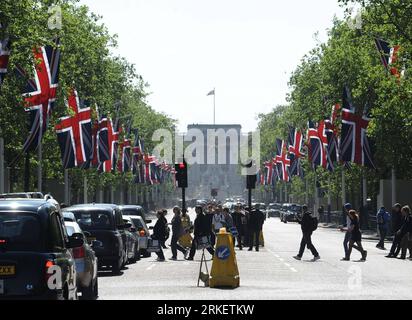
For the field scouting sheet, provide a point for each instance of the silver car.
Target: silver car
(86, 263)
(143, 233)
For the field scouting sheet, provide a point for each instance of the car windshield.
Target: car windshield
(20, 232)
(132, 212)
(92, 220)
(138, 223)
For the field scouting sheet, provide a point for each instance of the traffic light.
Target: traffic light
(181, 174)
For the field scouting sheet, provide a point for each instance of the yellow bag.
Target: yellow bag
(186, 240)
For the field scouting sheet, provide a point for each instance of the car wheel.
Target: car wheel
(88, 292)
(116, 267)
(96, 289)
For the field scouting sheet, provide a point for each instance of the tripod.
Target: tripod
(203, 276)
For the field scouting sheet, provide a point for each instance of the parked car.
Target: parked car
(86, 262)
(22, 195)
(134, 210)
(68, 216)
(105, 223)
(133, 254)
(143, 233)
(273, 210)
(33, 244)
(290, 212)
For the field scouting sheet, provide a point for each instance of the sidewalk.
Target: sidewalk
(366, 234)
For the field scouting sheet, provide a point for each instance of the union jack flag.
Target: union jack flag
(103, 149)
(137, 152)
(125, 156)
(296, 154)
(74, 134)
(113, 134)
(4, 56)
(354, 146)
(331, 130)
(149, 162)
(269, 172)
(282, 160)
(317, 144)
(40, 93)
(389, 56)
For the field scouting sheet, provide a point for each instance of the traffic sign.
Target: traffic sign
(223, 252)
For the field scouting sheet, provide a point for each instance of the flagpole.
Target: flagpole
(39, 167)
(2, 184)
(66, 187)
(214, 106)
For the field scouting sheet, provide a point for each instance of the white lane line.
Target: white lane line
(151, 267)
(282, 260)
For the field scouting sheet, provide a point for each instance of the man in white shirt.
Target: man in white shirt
(218, 219)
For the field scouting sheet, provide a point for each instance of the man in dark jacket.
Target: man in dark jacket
(240, 221)
(202, 228)
(177, 232)
(405, 227)
(255, 224)
(396, 217)
(307, 226)
(159, 233)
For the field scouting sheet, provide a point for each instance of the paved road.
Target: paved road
(272, 273)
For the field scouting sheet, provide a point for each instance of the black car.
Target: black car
(35, 257)
(105, 223)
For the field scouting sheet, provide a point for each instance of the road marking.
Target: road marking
(151, 267)
(282, 260)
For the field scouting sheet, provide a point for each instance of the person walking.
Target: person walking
(396, 217)
(209, 218)
(355, 240)
(159, 233)
(345, 229)
(406, 226)
(308, 224)
(239, 220)
(218, 219)
(161, 215)
(382, 219)
(177, 232)
(255, 224)
(186, 239)
(201, 229)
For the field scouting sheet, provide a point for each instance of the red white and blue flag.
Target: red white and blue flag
(40, 93)
(331, 130)
(282, 160)
(389, 56)
(74, 134)
(113, 134)
(296, 153)
(354, 144)
(317, 144)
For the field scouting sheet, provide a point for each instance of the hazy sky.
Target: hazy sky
(246, 49)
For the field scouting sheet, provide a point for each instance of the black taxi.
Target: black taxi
(35, 257)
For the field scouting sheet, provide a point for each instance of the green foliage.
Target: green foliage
(350, 57)
(87, 64)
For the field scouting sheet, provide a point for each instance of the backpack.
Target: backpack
(314, 223)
